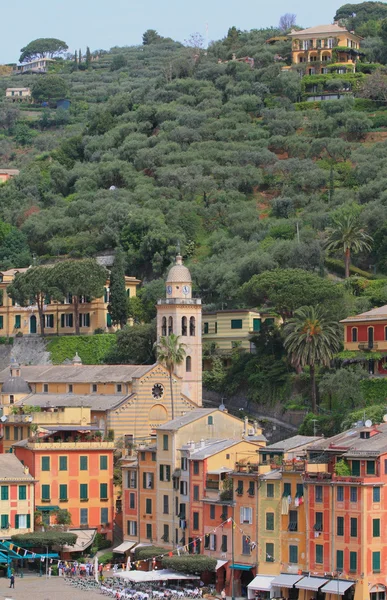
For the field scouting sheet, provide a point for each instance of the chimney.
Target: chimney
(202, 443)
(246, 425)
(26, 470)
(192, 444)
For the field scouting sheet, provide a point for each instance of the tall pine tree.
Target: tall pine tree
(88, 57)
(118, 307)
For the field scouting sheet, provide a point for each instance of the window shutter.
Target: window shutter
(28, 521)
(71, 320)
(214, 542)
(16, 521)
(168, 472)
(144, 481)
(242, 514)
(62, 320)
(1, 322)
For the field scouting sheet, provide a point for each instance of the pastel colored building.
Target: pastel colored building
(366, 334)
(19, 94)
(59, 316)
(17, 497)
(73, 468)
(39, 65)
(233, 328)
(323, 46)
(129, 400)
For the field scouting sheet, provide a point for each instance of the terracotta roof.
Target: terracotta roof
(320, 29)
(79, 373)
(11, 469)
(375, 314)
(94, 401)
(179, 273)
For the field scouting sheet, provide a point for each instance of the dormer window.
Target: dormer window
(365, 435)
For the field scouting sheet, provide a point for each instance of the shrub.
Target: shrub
(342, 468)
(194, 563)
(54, 570)
(365, 104)
(91, 349)
(379, 120)
(148, 552)
(308, 105)
(100, 542)
(106, 558)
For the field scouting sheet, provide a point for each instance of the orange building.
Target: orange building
(16, 497)
(367, 333)
(74, 471)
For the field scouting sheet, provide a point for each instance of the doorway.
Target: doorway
(32, 324)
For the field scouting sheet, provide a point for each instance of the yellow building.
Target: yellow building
(129, 400)
(59, 316)
(233, 328)
(318, 48)
(19, 94)
(17, 499)
(6, 174)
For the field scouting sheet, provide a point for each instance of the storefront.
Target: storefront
(311, 587)
(243, 575)
(285, 586)
(338, 587)
(261, 588)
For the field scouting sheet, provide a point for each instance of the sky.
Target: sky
(104, 24)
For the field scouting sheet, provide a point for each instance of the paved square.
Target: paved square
(40, 588)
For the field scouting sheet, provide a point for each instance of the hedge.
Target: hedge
(337, 266)
(92, 349)
(308, 105)
(191, 563)
(374, 390)
(149, 552)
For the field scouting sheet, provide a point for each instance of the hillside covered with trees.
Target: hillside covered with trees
(273, 200)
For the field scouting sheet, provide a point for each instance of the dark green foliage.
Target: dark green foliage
(285, 290)
(118, 62)
(374, 390)
(49, 87)
(355, 15)
(134, 345)
(41, 48)
(194, 564)
(100, 542)
(40, 539)
(148, 552)
(118, 307)
(337, 266)
(92, 349)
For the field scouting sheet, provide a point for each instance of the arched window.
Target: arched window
(192, 326)
(170, 325)
(188, 364)
(184, 326)
(354, 334)
(370, 337)
(164, 326)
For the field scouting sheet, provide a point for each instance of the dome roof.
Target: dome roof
(15, 385)
(179, 273)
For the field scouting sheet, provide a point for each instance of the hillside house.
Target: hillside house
(18, 94)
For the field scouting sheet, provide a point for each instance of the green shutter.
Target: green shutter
(144, 481)
(352, 561)
(103, 491)
(375, 527)
(376, 562)
(17, 321)
(28, 521)
(1, 322)
(87, 319)
(287, 489)
(269, 552)
(270, 521)
(63, 491)
(257, 327)
(45, 463)
(355, 470)
(4, 492)
(4, 521)
(103, 463)
(104, 515)
(339, 559)
(63, 463)
(319, 554)
(370, 467)
(353, 527)
(22, 492)
(236, 323)
(71, 320)
(108, 320)
(62, 320)
(148, 506)
(165, 442)
(128, 292)
(83, 463)
(293, 554)
(340, 526)
(45, 492)
(83, 491)
(16, 521)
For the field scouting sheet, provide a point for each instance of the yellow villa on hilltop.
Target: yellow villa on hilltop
(319, 48)
(59, 316)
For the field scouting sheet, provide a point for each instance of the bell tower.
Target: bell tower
(181, 314)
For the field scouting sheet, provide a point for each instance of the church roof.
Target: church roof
(100, 402)
(179, 273)
(189, 417)
(15, 385)
(79, 373)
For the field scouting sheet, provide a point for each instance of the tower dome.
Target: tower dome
(15, 384)
(179, 273)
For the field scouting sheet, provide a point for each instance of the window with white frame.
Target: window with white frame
(184, 463)
(246, 514)
(22, 521)
(132, 528)
(212, 541)
(183, 488)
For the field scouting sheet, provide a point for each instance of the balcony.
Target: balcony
(291, 466)
(367, 346)
(212, 484)
(186, 301)
(66, 446)
(316, 471)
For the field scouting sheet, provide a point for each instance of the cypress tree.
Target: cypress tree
(118, 307)
(80, 56)
(88, 57)
(76, 57)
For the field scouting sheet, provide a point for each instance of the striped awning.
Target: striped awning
(337, 586)
(311, 583)
(285, 580)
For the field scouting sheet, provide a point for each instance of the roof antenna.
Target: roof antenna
(178, 247)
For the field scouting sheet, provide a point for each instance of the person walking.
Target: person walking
(12, 581)
(223, 594)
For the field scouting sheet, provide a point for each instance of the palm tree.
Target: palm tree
(171, 353)
(311, 338)
(347, 235)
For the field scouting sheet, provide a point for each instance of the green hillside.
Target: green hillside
(168, 145)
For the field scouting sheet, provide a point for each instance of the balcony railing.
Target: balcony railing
(212, 485)
(368, 346)
(71, 445)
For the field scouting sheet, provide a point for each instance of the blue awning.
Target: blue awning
(47, 507)
(241, 567)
